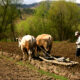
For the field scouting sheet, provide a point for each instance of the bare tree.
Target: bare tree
(9, 12)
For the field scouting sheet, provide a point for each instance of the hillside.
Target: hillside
(34, 5)
(29, 5)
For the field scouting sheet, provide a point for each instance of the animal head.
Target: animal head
(76, 33)
(19, 40)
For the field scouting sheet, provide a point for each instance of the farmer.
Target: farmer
(77, 34)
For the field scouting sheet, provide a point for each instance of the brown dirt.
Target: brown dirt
(11, 71)
(67, 50)
(64, 49)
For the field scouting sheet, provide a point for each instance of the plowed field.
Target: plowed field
(65, 49)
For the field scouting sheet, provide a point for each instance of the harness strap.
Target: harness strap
(44, 51)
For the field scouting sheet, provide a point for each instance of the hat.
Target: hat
(76, 33)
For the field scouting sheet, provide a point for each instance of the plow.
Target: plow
(57, 60)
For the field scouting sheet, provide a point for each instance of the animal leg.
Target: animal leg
(23, 52)
(30, 54)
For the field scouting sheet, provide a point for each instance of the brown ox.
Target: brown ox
(28, 44)
(44, 41)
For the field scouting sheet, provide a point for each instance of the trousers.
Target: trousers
(78, 52)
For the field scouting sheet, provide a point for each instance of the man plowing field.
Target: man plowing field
(77, 34)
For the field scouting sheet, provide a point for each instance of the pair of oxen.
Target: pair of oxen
(32, 45)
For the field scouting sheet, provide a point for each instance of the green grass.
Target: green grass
(52, 75)
(42, 72)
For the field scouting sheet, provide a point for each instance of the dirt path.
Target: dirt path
(11, 71)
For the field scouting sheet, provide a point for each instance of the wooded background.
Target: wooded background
(59, 18)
